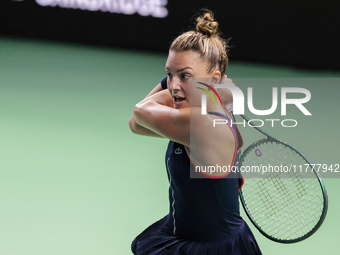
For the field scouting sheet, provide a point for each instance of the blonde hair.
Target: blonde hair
(206, 40)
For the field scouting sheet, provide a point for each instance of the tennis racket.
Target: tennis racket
(286, 205)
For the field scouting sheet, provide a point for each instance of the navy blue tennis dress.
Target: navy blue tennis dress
(204, 217)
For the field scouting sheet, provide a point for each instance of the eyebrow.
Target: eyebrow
(180, 70)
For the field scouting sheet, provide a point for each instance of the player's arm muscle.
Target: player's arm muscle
(140, 130)
(157, 114)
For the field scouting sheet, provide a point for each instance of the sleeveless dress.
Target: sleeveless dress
(204, 216)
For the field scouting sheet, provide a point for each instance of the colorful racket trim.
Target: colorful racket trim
(286, 207)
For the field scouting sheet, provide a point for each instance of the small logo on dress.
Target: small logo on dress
(178, 151)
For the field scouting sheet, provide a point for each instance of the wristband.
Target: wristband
(164, 82)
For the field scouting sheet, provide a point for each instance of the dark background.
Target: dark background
(303, 34)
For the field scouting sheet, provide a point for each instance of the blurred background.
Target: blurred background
(73, 177)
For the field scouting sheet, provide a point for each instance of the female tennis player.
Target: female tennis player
(204, 213)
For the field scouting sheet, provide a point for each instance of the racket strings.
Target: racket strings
(286, 205)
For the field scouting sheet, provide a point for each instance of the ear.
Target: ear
(216, 76)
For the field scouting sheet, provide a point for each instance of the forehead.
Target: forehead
(184, 58)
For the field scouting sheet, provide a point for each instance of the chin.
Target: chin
(181, 105)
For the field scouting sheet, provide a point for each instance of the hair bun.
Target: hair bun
(206, 24)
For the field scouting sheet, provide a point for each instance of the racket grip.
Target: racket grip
(164, 82)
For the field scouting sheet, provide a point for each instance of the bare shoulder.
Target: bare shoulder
(211, 144)
(204, 128)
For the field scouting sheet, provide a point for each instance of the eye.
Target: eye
(169, 75)
(185, 76)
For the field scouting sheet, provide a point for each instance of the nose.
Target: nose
(175, 83)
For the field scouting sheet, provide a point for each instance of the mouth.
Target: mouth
(177, 99)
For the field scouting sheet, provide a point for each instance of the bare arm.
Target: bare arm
(157, 114)
(140, 130)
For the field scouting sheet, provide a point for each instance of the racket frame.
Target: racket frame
(324, 192)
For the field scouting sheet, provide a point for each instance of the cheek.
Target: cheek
(195, 99)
